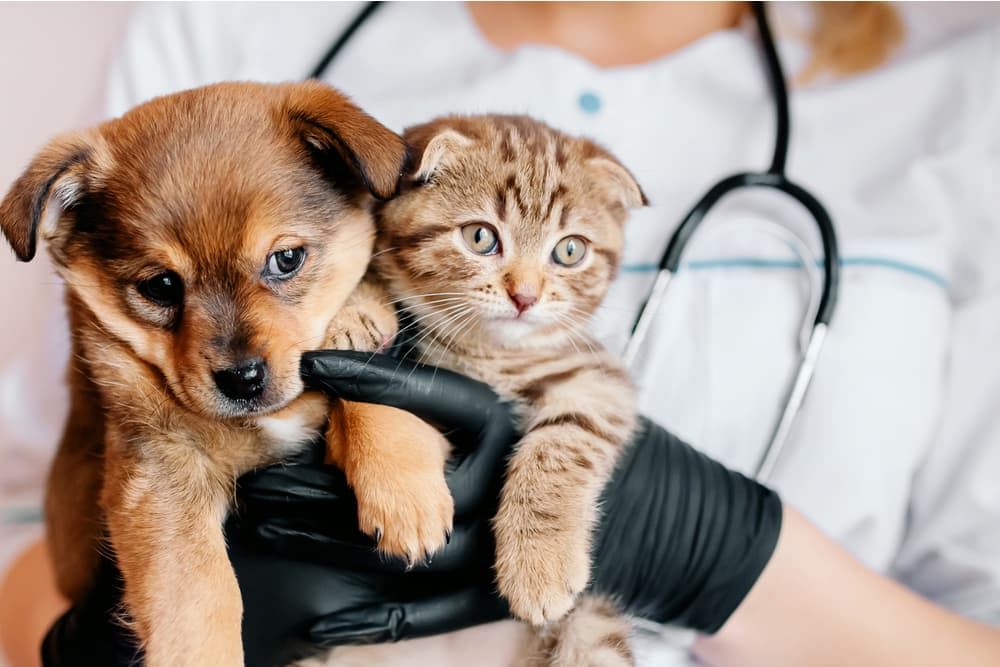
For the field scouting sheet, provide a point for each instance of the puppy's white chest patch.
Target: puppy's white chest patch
(287, 433)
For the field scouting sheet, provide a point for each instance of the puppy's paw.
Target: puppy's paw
(409, 513)
(540, 572)
(362, 329)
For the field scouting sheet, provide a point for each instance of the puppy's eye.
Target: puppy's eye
(164, 289)
(283, 264)
(570, 251)
(481, 238)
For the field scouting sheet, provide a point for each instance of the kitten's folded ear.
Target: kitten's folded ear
(438, 152)
(621, 181)
(326, 120)
(58, 177)
(434, 145)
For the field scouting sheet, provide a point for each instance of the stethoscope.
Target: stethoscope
(774, 178)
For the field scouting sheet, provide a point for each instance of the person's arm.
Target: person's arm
(683, 541)
(812, 604)
(29, 603)
(816, 605)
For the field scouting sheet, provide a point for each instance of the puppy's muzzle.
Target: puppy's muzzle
(243, 382)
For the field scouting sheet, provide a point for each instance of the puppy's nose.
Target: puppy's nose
(243, 381)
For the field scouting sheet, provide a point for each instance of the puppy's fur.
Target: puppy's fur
(209, 185)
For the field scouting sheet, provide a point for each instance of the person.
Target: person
(897, 450)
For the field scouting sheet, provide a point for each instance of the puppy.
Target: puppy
(206, 240)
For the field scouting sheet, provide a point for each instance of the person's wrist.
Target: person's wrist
(683, 538)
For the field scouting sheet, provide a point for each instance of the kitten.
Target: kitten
(502, 244)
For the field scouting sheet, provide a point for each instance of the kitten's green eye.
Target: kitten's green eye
(481, 238)
(570, 251)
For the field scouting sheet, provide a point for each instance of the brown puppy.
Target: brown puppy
(206, 239)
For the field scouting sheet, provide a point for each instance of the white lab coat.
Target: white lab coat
(896, 453)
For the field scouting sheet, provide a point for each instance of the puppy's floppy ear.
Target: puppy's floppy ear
(328, 121)
(619, 180)
(52, 184)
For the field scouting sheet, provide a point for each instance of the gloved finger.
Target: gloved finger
(451, 400)
(427, 615)
(448, 399)
(295, 488)
(314, 540)
(475, 478)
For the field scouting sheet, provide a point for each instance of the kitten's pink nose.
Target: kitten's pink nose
(523, 301)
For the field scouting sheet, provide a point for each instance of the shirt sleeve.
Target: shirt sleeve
(951, 550)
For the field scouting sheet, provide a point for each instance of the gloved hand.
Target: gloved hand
(297, 526)
(682, 539)
(306, 506)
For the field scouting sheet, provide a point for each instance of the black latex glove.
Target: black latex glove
(307, 506)
(681, 540)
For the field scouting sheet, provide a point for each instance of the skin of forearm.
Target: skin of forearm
(816, 605)
(29, 604)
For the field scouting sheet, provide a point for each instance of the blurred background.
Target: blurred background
(54, 57)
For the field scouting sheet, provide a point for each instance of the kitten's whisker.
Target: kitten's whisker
(421, 318)
(382, 252)
(416, 308)
(456, 331)
(462, 326)
(567, 324)
(620, 309)
(409, 305)
(437, 318)
(444, 351)
(576, 330)
(422, 295)
(414, 293)
(438, 325)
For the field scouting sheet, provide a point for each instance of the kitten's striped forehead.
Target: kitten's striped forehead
(536, 174)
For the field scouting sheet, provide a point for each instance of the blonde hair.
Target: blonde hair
(851, 37)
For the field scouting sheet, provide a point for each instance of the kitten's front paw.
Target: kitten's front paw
(408, 514)
(540, 573)
(362, 329)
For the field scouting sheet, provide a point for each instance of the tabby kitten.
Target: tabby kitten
(501, 244)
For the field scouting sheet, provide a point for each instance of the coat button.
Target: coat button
(589, 102)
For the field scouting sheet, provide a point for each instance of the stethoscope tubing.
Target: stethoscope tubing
(670, 262)
(774, 178)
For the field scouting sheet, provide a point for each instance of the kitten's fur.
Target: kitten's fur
(535, 186)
